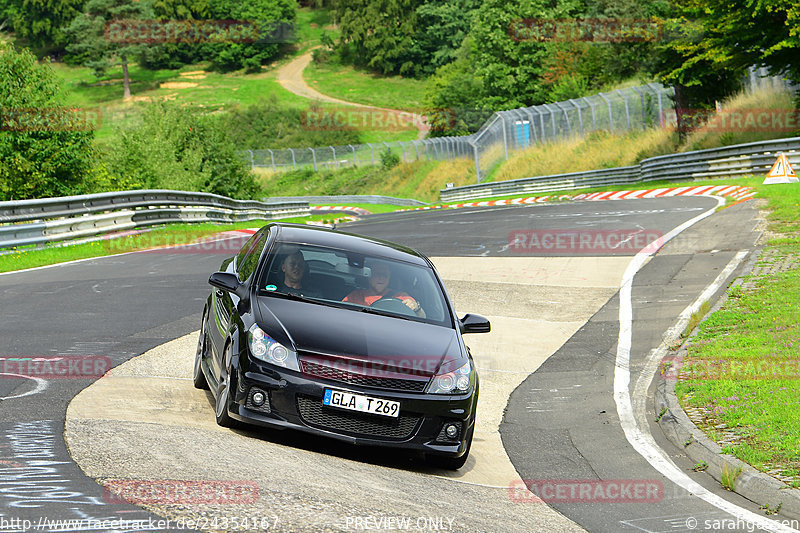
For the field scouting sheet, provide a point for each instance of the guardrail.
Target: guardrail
(737, 160)
(40, 221)
(348, 198)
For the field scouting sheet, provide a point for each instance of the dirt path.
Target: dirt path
(290, 76)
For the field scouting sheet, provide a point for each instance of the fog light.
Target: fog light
(259, 399)
(451, 430)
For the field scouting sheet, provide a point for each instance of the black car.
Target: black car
(342, 336)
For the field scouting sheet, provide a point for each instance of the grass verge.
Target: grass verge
(742, 368)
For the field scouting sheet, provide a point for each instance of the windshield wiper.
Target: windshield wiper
(374, 311)
(299, 298)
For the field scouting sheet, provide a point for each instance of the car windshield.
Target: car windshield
(354, 281)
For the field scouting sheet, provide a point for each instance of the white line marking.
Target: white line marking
(41, 385)
(640, 439)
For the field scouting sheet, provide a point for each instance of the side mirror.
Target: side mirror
(475, 324)
(227, 282)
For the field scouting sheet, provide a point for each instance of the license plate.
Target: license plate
(364, 404)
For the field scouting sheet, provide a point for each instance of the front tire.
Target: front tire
(224, 392)
(198, 377)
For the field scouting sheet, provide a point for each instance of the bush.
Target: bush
(175, 148)
(267, 124)
(389, 159)
(43, 150)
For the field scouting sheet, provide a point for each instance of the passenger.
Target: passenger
(379, 279)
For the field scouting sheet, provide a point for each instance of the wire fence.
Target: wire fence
(334, 157)
(504, 132)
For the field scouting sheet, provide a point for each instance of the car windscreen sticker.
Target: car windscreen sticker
(271, 288)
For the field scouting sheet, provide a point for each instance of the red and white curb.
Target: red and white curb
(237, 233)
(736, 192)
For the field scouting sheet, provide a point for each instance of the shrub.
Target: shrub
(389, 159)
(176, 148)
(54, 156)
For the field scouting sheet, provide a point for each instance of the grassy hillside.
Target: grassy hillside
(354, 85)
(607, 150)
(743, 107)
(420, 180)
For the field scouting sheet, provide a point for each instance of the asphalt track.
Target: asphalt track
(561, 423)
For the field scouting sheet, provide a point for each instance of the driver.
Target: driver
(379, 279)
(294, 268)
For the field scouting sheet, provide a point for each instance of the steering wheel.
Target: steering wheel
(393, 305)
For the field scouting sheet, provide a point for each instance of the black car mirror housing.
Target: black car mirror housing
(228, 282)
(475, 324)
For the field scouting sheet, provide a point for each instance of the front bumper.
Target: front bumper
(295, 402)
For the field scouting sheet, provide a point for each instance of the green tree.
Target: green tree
(711, 43)
(454, 96)
(40, 22)
(94, 46)
(407, 37)
(42, 150)
(266, 15)
(442, 27)
(740, 33)
(181, 9)
(381, 33)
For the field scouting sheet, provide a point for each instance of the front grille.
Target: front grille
(336, 374)
(315, 414)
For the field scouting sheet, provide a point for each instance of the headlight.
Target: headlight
(267, 349)
(457, 382)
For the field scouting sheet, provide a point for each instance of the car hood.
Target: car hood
(326, 334)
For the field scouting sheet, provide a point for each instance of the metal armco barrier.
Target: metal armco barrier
(731, 161)
(26, 222)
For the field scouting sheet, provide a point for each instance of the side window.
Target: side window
(247, 260)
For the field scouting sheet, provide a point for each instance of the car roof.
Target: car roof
(302, 234)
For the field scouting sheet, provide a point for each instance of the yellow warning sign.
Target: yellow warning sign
(781, 172)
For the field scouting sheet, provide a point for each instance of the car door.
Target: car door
(224, 303)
